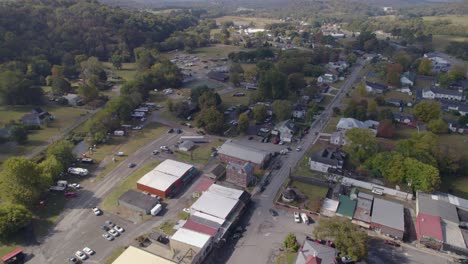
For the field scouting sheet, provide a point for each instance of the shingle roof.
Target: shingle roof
(313, 251)
(388, 213)
(377, 86)
(331, 156)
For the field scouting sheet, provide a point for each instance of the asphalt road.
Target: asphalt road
(255, 248)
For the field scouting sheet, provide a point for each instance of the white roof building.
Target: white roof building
(140, 256)
(192, 238)
(225, 191)
(348, 123)
(215, 204)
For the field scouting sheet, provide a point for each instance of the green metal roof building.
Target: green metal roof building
(346, 207)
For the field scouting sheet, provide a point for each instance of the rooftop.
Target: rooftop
(331, 156)
(136, 255)
(200, 228)
(138, 199)
(431, 205)
(348, 123)
(215, 204)
(363, 210)
(165, 174)
(203, 184)
(428, 226)
(388, 214)
(312, 251)
(347, 206)
(247, 153)
(190, 237)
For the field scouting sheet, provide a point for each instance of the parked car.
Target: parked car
(109, 223)
(108, 237)
(70, 194)
(347, 260)
(72, 260)
(297, 218)
(88, 251)
(74, 185)
(113, 233)
(187, 210)
(171, 130)
(164, 148)
(119, 229)
(97, 211)
(273, 212)
(391, 243)
(179, 131)
(81, 255)
(155, 152)
(131, 165)
(105, 228)
(299, 148)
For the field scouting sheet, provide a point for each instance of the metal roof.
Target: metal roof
(429, 226)
(138, 199)
(225, 191)
(201, 228)
(136, 255)
(243, 152)
(190, 237)
(215, 205)
(431, 205)
(388, 213)
(165, 174)
(347, 206)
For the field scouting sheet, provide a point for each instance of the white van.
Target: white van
(305, 218)
(156, 209)
(378, 191)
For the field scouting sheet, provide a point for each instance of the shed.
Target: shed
(138, 201)
(186, 146)
(329, 207)
(216, 172)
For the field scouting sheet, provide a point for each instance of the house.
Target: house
(338, 138)
(231, 151)
(186, 145)
(429, 231)
(346, 207)
(437, 60)
(73, 99)
(404, 118)
(349, 123)
(323, 88)
(218, 76)
(240, 174)
(453, 126)
(329, 207)
(395, 102)
(313, 252)
(327, 78)
(388, 218)
(440, 93)
(339, 66)
(328, 158)
(138, 201)
(186, 240)
(299, 111)
(376, 88)
(166, 178)
(460, 85)
(36, 117)
(407, 79)
(286, 130)
(460, 107)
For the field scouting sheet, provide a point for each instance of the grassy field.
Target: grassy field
(127, 72)
(331, 125)
(207, 82)
(286, 258)
(64, 117)
(229, 100)
(217, 51)
(110, 202)
(455, 19)
(315, 194)
(167, 227)
(440, 42)
(201, 154)
(258, 21)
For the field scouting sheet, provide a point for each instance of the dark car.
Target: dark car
(73, 260)
(170, 130)
(178, 131)
(105, 228)
(391, 243)
(109, 223)
(273, 212)
(131, 165)
(250, 138)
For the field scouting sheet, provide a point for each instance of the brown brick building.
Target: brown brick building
(240, 174)
(231, 152)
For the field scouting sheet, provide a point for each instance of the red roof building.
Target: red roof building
(200, 228)
(203, 185)
(429, 230)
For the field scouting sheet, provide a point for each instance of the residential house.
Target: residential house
(338, 138)
(240, 174)
(457, 128)
(440, 93)
(36, 117)
(339, 66)
(216, 172)
(376, 88)
(437, 61)
(299, 111)
(327, 78)
(326, 159)
(312, 252)
(407, 79)
(73, 99)
(388, 218)
(286, 130)
(349, 123)
(323, 88)
(404, 118)
(460, 107)
(460, 85)
(218, 76)
(346, 207)
(395, 102)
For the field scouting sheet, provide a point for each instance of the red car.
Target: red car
(391, 243)
(70, 194)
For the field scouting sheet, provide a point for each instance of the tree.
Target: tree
(427, 110)
(425, 67)
(211, 120)
(386, 129)
(209, 99)
(362, 144)
(361, 89)
(62, 151)
(438, 126)
(13, 217)
(421, 176)
(143, 58)
(282, 109)
(386, 114)
(235, 79)
(92, 67)
(296, 82)
(88, 92)
(16, 89)
(19, 134)
(457, 72)
(51, 168)
(117, 61)
(243, 123)
(420, 146)
(260, 113)
(21, 181)
(290, 243)
(336, 111)
(357, 110)
(403, 58)
(251, 74)
(351, 59)
(394, 71)
(60, 86)
(347, 237)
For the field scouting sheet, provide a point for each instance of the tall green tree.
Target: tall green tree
(62, 150)
(282, 109)
(243, 123)
(260, 113)
(290, 243)
(362, 144)
(427, 110)
(51, 168)
(425, 67)
(212, 120)
(19, 134)
(438, 126)
(13, 217)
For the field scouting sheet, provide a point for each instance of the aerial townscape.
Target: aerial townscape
(238, 132)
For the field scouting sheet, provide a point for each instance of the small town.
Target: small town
(194, 132)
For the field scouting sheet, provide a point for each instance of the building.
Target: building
(376, 88)
(218, 76)
(231, 151)
(286, 130)
(437, 61)
(338, 138)
(216, 172)
(312, 252)
(73, 99)
(327, 78)
(138, 201)
(240, 174)
(328, 158)
(362, 214)
(136, 255)
(460, 107)
(346, 207)
(440, 93)
(186, 146)
(185, 240)
(388, 218)
(329, 207)
(349, 123)
(167, 178)
(404, 118)
(407, 79)
(429, 231)
(299, 111)
(36, 117)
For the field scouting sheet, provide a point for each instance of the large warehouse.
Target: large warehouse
(166, 179)
(233, 152)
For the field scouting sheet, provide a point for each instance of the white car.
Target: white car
(297, 218)
(137, 128)
(108, 237)
(187, 210)
(347, 259)
(113, 233)
(81, 255)
(88, 251)
(299, 148)
(97, 211)
(164, 148)
(119, 229)
(74, 185)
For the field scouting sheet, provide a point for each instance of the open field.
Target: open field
(207, 82)
(286, 258)
(64, 117)
(127, 72)
(201, 154)
(315, 194)
(257, 21)
(455, 19)
(110, 202)
(440, 42)
(216, 51)
(229, 100)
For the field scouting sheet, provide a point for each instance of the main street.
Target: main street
(257, 246)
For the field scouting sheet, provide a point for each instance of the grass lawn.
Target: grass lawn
(397, 95)
(210, 83)
(259, 22)
(127, 72)
(7, 248)
(229, 100)
(326, 100)
(110, 202)
(315, 194)
(286, 258)
(114, 255)
(46, 216)
(440, 42)
(331, 125)
(217, 51)
(455, 19)
(167, 227)
(201, 154)
(303, 168)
